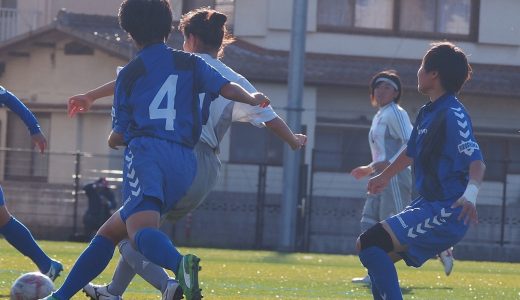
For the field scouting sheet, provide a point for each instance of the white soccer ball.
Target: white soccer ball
(31, 286)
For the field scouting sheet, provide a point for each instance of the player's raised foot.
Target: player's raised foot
(188, 276)
(447, 261)
(99, 292)
(173, 291)
(362, 280)
(54, 270)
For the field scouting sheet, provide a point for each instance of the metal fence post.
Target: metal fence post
(77, 175)
(260, 204)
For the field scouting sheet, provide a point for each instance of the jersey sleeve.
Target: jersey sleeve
(15, 105)
(255, 115)
(121, 111)
(207, 79)
(411, 147)
(461, 145)
(400, 125)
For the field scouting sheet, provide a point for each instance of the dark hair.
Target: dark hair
(388, 74)
(450, 62)
(209, 26)
(147, 21)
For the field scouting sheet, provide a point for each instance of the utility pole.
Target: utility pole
(291, 159)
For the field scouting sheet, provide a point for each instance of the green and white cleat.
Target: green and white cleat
(188, 277)
(54, 270)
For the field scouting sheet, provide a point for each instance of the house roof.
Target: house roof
(260, 64)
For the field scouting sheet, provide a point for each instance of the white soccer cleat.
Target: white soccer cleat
(447, 261)
(362, 280)
(99, 292)
(173, 291)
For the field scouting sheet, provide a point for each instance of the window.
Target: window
(22, 165)
(75, 48)
(263, 147)
(341, 149)
(424, 18)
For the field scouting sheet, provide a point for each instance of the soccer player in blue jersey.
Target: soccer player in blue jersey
(157, 115)
(205, 34)
(15, 232)
(448, 168)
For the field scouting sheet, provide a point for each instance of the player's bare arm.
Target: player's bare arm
(39, 140)
(235, 92)
(82, 102)
(468, 199)
(280, 128)
(115, 140)
(377, 183)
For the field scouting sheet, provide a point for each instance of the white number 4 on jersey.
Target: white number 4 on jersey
(168, 89)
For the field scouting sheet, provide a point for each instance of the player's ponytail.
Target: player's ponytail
(209, 26)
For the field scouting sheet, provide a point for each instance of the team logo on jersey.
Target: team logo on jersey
(468, 147)
(422, 131)
(2, 90)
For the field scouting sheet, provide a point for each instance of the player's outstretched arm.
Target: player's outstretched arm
(469, 198)
(82, 102)
(377, 183)
(280, 128)
(235, 92)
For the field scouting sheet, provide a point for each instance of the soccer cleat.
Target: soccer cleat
(362, 280)
(54, 270)
(173, 291)
(188, 276)
(99, 292)
(447, 260)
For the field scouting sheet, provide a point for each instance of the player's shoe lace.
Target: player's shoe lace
(99, 292)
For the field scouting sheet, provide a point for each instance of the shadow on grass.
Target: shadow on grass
(409, 290)
(4, 296)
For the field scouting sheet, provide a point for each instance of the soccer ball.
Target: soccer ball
(31, 286)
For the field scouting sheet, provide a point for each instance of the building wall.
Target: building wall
(498, 39)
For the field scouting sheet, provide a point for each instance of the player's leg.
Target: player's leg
(94, 258)
(20, 237)
(369, 218)
(377, 247)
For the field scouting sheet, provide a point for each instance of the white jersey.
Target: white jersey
(223, 111)
(390, 131)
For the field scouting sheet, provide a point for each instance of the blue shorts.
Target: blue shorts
(2, 201)
(155, 168)
(427, 228)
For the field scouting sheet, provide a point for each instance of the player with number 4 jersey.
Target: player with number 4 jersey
(157, 115)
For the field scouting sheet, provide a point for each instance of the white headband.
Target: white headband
(389, 81)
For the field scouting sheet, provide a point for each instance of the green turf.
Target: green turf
(231, 274)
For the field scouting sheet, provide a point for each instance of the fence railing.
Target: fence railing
(14, 22)
(243, 211)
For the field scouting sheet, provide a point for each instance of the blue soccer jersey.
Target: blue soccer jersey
(442, 146)
(16, 106)
(156, 95)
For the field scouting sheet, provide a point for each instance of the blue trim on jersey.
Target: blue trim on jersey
(442, 146)
(15, 105)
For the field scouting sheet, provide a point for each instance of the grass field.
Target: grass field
(231, 274)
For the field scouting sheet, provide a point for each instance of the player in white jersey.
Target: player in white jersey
(389, 132)
(205, 34)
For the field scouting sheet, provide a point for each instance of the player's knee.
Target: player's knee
(375, 236)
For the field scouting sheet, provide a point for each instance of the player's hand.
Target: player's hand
(115, 140)
(361, 171)
(260, 100)
(377, 184)
(299, 141)
(39, 141)
(79, 104)
(469, 211)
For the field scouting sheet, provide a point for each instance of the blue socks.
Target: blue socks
(21, 238)
(158, 248)
(382, 272)
(89, 265)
